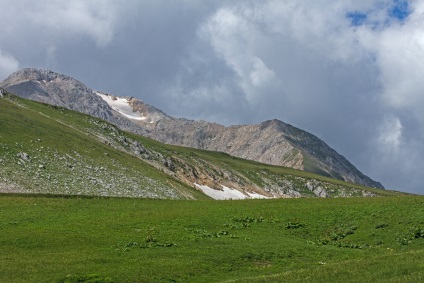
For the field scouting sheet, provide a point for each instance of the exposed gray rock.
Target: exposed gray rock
(169, 164)
(310, 186)
(272, 142)
(317, 188)
(368, 194)
(320, 192)
(24, 156)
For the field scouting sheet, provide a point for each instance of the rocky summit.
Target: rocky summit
(272, 142)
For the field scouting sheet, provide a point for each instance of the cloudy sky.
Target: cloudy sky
(350, 72)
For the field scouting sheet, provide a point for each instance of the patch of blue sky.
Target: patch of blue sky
(357, 18)
(397, 10)
(400, 10)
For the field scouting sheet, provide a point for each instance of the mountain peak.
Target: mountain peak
(40, 75)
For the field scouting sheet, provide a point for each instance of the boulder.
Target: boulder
(321, 192)
(24, 156)
(318, 190)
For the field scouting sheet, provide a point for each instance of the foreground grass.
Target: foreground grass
(45, 239)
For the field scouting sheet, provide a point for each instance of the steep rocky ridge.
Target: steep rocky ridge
(272, 142)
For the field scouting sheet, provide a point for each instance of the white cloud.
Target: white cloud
(8, 65)
(396, 157)
(231, 34)
(283, 44)
(400, 57)
(62, 19)
(398, 50)
(94, 18)
(260, 73)
(390, 135)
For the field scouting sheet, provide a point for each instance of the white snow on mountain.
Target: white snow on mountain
(227, 193)
(121, 105)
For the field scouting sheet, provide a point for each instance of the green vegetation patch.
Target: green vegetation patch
(51, 150)
(72, 239)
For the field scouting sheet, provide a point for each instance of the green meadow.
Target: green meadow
(81, 239)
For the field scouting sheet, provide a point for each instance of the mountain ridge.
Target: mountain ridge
(273, 142)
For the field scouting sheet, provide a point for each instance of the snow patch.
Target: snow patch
(227, 193)
(256, 195)
(122, 106)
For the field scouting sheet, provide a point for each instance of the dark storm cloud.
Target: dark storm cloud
(348, 72)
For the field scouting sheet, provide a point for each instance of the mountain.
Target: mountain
(61, 90)
(272, 142)
(49, 149)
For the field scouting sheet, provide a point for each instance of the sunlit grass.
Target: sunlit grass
(135, 240)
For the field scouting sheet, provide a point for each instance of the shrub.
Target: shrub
(294, 225)
(381, 225)
(88, 278)
(416, 232)
(249, 219)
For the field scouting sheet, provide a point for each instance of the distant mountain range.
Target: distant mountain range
(272, 142)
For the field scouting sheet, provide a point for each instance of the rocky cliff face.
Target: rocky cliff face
(272, 142)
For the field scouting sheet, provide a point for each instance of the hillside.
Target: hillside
(272, 142)
(40, 153)
(50, 149)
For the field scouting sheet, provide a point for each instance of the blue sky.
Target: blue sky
(398, 10)
(357, 18)
(348, 71)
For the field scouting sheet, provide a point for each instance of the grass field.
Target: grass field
(69, 239)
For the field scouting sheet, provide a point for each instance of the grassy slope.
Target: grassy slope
(74, 161)
(254, 171)
(133, 240)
